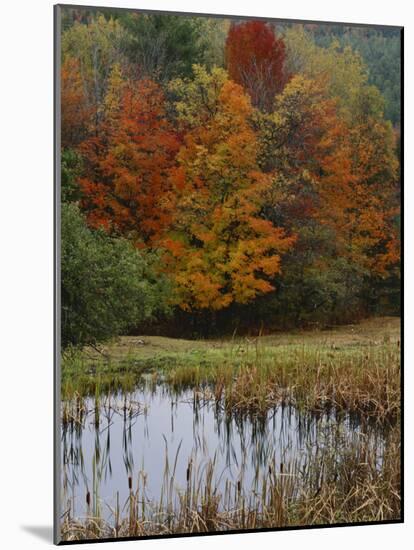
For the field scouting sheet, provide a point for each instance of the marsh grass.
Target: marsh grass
(252, 377)
(341, 484)
(249, 376)
(83, 375)
(364, 380)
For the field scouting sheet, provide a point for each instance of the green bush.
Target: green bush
(108, 286)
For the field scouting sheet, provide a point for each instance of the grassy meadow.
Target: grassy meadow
(355, 367)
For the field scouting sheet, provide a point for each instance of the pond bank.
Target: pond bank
(173, 436)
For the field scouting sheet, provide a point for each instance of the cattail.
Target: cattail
(88, 499)
(130, 483)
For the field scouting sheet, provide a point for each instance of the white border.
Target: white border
(26, 275)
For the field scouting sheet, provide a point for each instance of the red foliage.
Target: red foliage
(255, 59)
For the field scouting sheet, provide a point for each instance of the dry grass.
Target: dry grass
(365, 380)
(336, 485)
(352, 369)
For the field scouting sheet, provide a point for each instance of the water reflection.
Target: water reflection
(168, 442)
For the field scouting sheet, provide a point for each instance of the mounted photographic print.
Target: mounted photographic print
(228, 274)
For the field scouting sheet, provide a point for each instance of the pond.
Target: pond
(162, 446)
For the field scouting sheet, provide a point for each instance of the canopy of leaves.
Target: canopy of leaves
(126, 177)
(163, 46)
(333, 169)
(381, 52)
(88, 54)
(343, 69)
(255, 60)
(250, 164)
(222, 250)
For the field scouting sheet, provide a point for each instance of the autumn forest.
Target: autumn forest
(239, 171)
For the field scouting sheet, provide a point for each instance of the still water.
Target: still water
(157, 439)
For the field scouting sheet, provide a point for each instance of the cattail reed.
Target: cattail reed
(334, 480)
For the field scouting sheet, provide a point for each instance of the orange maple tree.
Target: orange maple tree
(221, 249)
(126, 180)
(352, 171)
